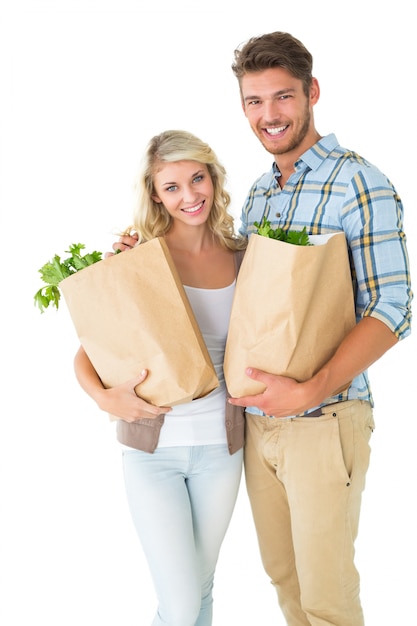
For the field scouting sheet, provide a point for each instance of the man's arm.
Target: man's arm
(284, 396)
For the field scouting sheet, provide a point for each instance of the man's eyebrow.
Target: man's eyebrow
(281, 92)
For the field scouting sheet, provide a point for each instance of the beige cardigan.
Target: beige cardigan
(144, 433)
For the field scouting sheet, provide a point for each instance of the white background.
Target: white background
(84, 85)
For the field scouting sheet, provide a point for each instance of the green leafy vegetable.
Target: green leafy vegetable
(56, 270)
(296, 237)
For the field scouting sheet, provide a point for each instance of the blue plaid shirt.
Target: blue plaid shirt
(333, 189)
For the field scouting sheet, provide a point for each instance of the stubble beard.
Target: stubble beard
(295, 141)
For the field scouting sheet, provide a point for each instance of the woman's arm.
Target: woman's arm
(120, 401)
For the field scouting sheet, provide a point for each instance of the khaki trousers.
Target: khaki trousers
(305, 478)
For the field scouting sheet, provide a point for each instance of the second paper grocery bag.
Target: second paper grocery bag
(292, 307)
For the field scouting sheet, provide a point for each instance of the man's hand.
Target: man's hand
(126, 241)
(282, 397)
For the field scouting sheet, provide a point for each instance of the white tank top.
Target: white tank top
(202, 421)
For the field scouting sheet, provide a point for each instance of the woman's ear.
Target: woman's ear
(156, 199)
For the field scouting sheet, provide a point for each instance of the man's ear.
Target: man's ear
(314, 91)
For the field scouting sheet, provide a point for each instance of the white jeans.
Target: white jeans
(181, 500)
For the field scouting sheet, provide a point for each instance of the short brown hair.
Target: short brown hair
(274, 50)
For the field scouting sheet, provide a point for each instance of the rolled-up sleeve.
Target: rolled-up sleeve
(372, 218)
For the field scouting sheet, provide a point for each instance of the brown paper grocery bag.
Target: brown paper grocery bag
(292, 307)
(131, 312)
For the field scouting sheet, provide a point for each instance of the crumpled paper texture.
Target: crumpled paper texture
(293, 306)
(131, 312)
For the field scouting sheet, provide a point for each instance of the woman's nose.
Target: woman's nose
(189, 194)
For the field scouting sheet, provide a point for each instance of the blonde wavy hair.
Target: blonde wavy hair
(151, 219)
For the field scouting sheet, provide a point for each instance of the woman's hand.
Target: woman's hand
(123, 402)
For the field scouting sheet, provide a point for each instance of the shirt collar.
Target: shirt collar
(313, 157)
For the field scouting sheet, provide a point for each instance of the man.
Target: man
(307, 449)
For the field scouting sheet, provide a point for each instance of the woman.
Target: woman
(182, 490)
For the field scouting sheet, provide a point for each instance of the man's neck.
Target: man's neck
(286, 162)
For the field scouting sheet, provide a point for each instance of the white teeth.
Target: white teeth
(275, 131)
(194, 208)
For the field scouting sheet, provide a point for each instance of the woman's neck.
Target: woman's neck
(192, 240)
